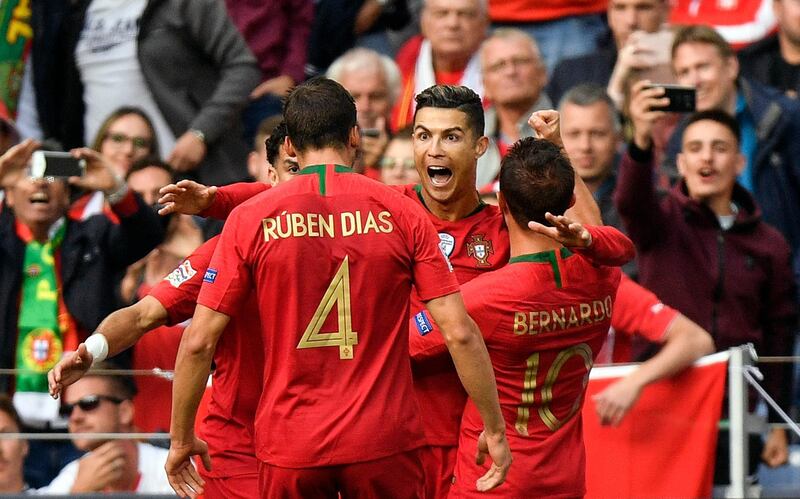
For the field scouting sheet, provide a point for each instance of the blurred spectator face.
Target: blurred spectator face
(39, 201)
(709, 160)
(455, 28)
(589, 139)
(700, 65)
(512, 71)
(12, 456)
(397, 163)
(147, 181)
(257, 161)
(96, 409)
(445, 153)
(371, 94)
(627, 16)
(285, 169)
(787, 12)
(128, 138)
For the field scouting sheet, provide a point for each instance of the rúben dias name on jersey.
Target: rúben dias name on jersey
(562, 318)
(326, 225)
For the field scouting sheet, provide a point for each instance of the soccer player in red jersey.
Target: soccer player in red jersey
(336, 414)
(544, 321)
(448, 140)
(228, 425)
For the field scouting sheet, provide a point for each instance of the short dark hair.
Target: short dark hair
(122, 385)
(589, 94)
(536, 178)
(461, 98)
(265, 129)
(7, 406)
(276, 138)
(319, 113)
(147, 162)
(718, 116)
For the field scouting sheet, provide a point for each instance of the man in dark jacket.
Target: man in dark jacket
(769, 123)
(183, 61)
(775, 60)
(58, 277)
(704, 249)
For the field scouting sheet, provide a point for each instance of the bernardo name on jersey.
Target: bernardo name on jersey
(327, 225)
(562, 318)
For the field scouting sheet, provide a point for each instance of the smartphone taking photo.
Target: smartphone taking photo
(682, 99)
(56, 164)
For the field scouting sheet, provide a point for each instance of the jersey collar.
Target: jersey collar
(548, 256)
(317, 169)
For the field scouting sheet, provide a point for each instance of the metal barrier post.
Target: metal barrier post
(737, 412)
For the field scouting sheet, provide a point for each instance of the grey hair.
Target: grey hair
(510, 34)
(360, 59)
(483, 5)
(587, 94)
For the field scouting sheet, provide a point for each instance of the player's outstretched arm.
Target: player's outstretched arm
(603, 245)
(474, 367)
(187, 197)
(684, 342)
(192, 367)
(191, 198)
(120, 330)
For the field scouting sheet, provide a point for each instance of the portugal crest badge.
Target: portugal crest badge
(480, 249)
(446, 243)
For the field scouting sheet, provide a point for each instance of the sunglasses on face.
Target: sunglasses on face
(87, 404)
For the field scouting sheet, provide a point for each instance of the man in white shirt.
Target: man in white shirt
(103, 404)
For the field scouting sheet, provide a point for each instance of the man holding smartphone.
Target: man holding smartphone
(56, 274)
(705, 250)
(769, 124)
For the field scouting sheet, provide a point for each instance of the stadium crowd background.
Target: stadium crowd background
(160, 90)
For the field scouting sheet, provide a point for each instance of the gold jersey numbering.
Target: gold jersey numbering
(338, 293)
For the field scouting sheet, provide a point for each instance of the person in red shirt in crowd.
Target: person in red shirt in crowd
(373, 80)
(445, 53)
(228, 425)
(544, 322)
(314, 433)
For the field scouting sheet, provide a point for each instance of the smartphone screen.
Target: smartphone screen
(56, 164)
(681, 99)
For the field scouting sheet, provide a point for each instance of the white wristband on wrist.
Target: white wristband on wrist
(97, 345)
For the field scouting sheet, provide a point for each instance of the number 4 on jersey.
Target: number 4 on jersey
(338, 293)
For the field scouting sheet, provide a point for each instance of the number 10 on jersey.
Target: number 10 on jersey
(338, 293)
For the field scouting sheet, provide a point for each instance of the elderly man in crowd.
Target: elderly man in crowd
(445, 53)
(374, 82)
(513, 78)
(59, 277)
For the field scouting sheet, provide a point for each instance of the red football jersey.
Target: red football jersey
(332, 256)
(637, 312)
(474, 244)
(544, 317)
(237, 381)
